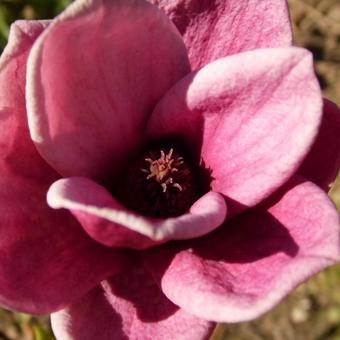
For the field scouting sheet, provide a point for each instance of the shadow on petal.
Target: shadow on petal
(249, 264)
(128, 306)
(87, 315)
(141, 290)
(252, 237)
(246, 242)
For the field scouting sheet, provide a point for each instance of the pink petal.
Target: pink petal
(252, 116)
(213, 29)
(323, 161)
(22, 35)
(93, 78)
(128, 306)
(111, 224)
(46, 260)
(246, 267)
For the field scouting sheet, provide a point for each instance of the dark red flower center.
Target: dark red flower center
(160, 183)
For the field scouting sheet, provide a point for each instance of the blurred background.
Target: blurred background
(312, 312)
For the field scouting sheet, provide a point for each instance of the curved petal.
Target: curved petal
(323, 161)
(128, 306)
(21, 37)
(213, 29)
(93, 78)
(111, 224)
(246, 267)
(253, 115)
(46, 260)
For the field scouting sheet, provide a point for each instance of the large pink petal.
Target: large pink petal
(323, 161)
(46, 260)
(213, 29)
(93, 78)
(252, 117)
(111, 224)
(128, 306)
(247, 266)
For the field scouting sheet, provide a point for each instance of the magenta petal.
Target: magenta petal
(110, 223)
(246, 267)
(46, 260)
(323, 161)
(93, 78)
(254, 117)
(213, 29)
(128, 306)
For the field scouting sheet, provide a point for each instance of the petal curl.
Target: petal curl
(128, 306)
(247, 266)
(111, 224)
(252, 117)
(46, 260)
(21, 37)
(213, 29)
(93, 78)
(323, 161)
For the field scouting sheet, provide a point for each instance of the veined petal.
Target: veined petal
(128, 306)
(94, 77)
(110, 223)
(46, 260)
(247, 266)
(213, 29)
(251, 117)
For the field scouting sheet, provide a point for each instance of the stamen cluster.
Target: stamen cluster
(163, 168)
(159, 184)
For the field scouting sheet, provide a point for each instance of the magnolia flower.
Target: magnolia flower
(185, 152)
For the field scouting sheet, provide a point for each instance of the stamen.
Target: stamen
(179, 187)
(161, 169)
(159, 184)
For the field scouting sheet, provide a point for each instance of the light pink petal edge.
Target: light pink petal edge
(46, 259)
(93, 78)
(21, 30)
(82, 195)
(238, 273)
(252, 117)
